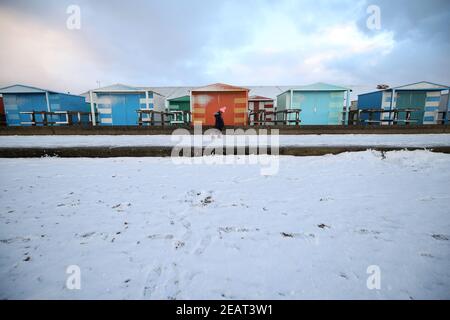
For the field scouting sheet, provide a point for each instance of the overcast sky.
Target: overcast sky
(243, 42)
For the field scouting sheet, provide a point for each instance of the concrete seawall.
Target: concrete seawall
(291, 130)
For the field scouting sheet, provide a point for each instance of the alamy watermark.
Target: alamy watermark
(73, 21)
(236, 146)
(374, 280)
(73, 281)
(373, 22)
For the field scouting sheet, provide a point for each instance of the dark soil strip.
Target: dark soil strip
(106, 152)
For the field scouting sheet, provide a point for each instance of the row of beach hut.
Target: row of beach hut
(315, 104)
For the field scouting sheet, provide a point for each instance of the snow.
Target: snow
(373, 140)
(146, 228)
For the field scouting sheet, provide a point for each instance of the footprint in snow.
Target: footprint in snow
(310, 238)
(179, 244)
(87, 234)
(427, 255)
(197, 198)
(204, 243)
(223, 230)
(207, 201)
(151, 281)
(160, 236)
(121, 206)
(440, 237)
(287, 235)
(365, 231)
(21, 239)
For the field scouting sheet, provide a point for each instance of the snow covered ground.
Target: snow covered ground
(389, 140)
(146, 228)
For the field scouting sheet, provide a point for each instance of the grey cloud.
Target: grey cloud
(420, 20)
(171, 42)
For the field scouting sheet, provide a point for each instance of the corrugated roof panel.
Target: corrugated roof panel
(172, 92)
(117, 87)
(319, 86)
(259, 98)
(267, 91)
(17, 88)
(186, 98)
(220, 87)
(423, 85)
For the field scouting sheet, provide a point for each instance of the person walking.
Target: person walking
(219, 120)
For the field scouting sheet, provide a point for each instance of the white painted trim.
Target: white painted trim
(432, 104)
(433, 93)
(347, 107)
(393, 99)
(292, 99)
(91, 97)
(104, 110)
(47, 101)
(146, 101)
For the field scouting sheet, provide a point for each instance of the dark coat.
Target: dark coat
(219, 121)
